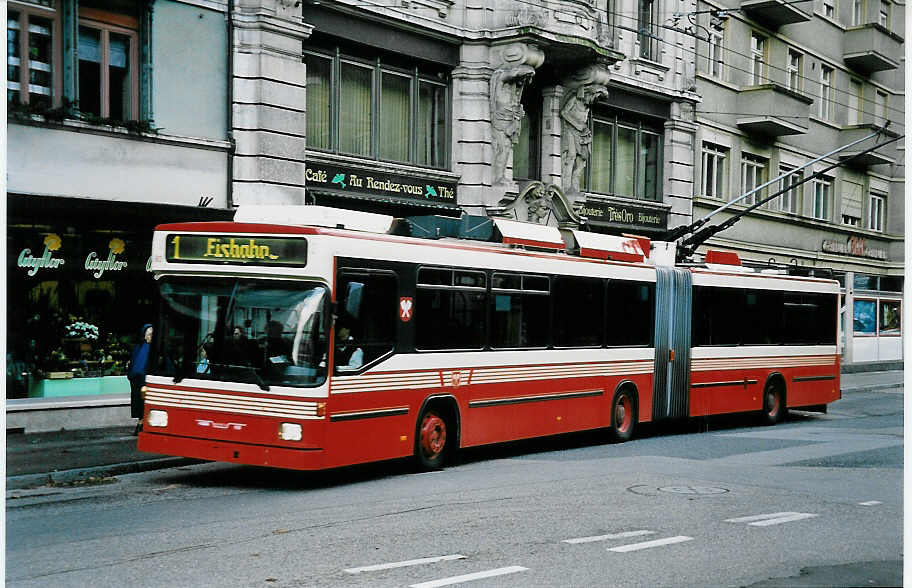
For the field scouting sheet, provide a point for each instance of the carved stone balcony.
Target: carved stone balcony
(871, 47)
(773, 110)
(882, 156)
(774, 13)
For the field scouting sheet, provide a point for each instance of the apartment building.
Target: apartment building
(782, 84)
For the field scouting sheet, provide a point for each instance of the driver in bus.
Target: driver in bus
(348, 355)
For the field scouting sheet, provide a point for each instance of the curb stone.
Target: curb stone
(75, 475)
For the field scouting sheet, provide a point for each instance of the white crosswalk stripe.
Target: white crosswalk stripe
(470, 577)
(595, 538)
(405, 564)
(775, 518)
(650, 544)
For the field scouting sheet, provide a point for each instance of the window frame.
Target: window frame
(716, 53)
(856, 102)
(614, 121)
(823, 188)
(826, 89)
(790, 200)
(793, 67)
(829, 9)
(881, 107)
(858, 12)
(647, 30)
(484, 306)
(758, 167)
(884, 14)
(877, 206)
(106, 23)
(758, 49)
(418, 78)
(53, 14)
(719, 156)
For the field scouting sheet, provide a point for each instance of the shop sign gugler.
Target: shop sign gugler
(236, 249)
(47, 260)
(100, 266)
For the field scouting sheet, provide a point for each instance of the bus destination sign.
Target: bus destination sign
(236, 249)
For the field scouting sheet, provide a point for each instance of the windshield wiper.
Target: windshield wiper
(256, 374)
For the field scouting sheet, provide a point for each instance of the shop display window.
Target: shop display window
(76, 299)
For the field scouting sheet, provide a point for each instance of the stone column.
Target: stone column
(268, 102)
(552, 97)
(680, 149)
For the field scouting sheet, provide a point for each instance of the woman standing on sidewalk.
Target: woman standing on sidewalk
(136, 373)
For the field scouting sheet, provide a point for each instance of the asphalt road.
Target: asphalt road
(814, 501)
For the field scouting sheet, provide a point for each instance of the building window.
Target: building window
(880, 108)
(823, 187)
(826, 85)
(884, 14)
(626, 158)
(876, 212)
(376, 110)
(856, 97)
(108, 54)
(753, 174)
(794, 70)
(647, 27)
(716, 56)
(858, 16)
(714, 170)
(758, 54)
(829, 8)
(526, 152)
(31, 46)
(790, 200)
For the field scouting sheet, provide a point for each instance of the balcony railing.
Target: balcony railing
(871, 47)
(773, 110)
(775, 13)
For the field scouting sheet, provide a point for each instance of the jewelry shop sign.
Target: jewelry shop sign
(364, 181)
(624, 216)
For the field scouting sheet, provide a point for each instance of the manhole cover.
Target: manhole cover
(702, 490)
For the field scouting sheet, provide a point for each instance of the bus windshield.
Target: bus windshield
(270, 333)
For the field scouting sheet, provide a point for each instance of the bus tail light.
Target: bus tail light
(290, 432)
(157, 418)
(321, 409)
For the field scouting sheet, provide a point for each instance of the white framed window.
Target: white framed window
(823, 189)
(858, 15)
(648, 27)
(714, 172)
(876, 212)
(753, 174)
(856, 97)
(716, 58)
(884, 15)
(826, 89)
(108, 64)
(880, 108)
(829, 8)
(794, 70)
(758, 54)
(790, 200)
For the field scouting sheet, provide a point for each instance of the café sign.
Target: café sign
(856, 246)
(624, 216)
(364, 181)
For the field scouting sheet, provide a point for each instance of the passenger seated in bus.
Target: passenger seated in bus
(202, 366)
(276, 349)
(348, 355)
(239, 351)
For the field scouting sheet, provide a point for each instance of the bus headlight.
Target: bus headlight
(157, 418)
(290, 432)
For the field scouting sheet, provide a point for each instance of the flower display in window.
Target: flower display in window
(81, 330)
(53, 242)
(116, 245)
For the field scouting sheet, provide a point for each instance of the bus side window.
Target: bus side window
(368, 306)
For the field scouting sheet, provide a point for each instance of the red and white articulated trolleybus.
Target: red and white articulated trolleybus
(309, 338)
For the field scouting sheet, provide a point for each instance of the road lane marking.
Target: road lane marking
(870, 503)
(775, 518)
(650, 544)
(405, 564)
(469, 577)
(623, 535)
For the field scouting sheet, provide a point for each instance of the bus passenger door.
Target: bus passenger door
(671, 382)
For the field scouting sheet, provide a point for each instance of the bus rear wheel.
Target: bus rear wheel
(431, 440)
(623, 415)
(773, 403)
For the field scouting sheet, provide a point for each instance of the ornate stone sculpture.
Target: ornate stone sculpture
(580, 91)
(518, 63)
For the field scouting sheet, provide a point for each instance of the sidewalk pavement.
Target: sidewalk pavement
(89, 456)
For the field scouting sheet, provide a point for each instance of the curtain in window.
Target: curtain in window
(395, 119)
(650, 154)
(625, 163)
(355, 110)
(600, 160)
(89, 70)
(431, 124)
(319, 98)
(119, 76)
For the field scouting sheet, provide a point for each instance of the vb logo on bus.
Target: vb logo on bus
(405, 308)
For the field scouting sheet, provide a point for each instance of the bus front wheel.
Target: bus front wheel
(623, 415)
(432, 440)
